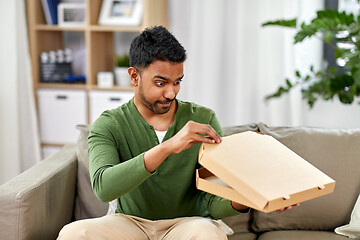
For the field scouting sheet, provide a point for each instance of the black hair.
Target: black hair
(155, 44)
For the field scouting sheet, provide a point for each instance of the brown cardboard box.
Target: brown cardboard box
(258, 171)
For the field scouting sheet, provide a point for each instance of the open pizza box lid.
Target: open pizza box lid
(258, 171)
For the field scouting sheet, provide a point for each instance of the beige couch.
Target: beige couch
(36, 204)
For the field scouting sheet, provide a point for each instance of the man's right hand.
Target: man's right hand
(191, 134)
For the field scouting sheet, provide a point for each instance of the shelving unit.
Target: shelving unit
(99, 42)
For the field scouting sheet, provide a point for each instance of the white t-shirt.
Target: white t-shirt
(160, 135)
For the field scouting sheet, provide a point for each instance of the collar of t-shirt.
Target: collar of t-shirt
(160, 135)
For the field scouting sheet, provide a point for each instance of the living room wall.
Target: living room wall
(234, 63)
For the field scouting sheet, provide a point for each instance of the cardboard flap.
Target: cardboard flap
(261, 168)
(201, 152)
(208, 182)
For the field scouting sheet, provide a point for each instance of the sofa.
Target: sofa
(39, 202)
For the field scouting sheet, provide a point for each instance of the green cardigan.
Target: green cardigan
(117, 142)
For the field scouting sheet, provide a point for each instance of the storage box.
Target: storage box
(55, 72)
(260, 172)
(59, 112)
(106, 100)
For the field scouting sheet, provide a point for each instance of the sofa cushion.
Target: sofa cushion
(301, 235)
(239, 223)
(239, 129)
(87, 205)
(336, 153)
(243, 236)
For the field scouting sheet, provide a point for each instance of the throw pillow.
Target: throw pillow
(352, 230)
(87, 205)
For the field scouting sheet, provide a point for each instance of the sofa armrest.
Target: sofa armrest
(39, 202)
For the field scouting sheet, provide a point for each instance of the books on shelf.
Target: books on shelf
(50, 11)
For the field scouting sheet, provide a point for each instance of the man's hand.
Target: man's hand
(239, 207)
(191, 134)
(287, 208)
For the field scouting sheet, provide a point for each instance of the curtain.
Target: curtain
(19, 138)
(233, 62)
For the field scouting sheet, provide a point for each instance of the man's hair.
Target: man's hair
(155, 44)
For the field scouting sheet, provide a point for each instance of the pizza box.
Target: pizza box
(258, 171)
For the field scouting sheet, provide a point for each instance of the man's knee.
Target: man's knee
(204, 229)
(109, 227)
(75, 230)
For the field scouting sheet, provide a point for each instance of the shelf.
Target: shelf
(101, 28)
(82, 86)
(95, 28)
(115, 88)
(99, 41)
(62, 85)
(44, 27)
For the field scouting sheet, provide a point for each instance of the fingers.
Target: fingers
(208, 134)
(202, 139)
(211, 133)
(192, 133)
(283, 209)
(287, 208)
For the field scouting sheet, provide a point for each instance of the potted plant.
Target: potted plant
(341, 31)
(122, 63)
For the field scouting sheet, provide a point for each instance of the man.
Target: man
(144, 154)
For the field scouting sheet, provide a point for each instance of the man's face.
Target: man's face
(158, 85)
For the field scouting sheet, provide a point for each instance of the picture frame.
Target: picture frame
(121, 12)
(71, 14)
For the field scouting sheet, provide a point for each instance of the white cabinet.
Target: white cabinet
(59, 112)
(106, 100)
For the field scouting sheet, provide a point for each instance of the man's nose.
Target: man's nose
(170, 93)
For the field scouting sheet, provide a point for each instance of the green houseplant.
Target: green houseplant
(122, 60)
(122, 63)
(341, 31)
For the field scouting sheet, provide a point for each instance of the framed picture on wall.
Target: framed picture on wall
(71, 14)
(121, 12)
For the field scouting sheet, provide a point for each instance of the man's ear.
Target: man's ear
(134, 76)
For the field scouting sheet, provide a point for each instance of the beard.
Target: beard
(156, 106)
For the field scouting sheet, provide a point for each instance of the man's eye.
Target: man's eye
(177, 82)
(160, 83)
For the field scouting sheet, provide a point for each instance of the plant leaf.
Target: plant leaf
(328, 36)
(354, 28)
(306, 31)
(282, 22)
(346, 97)
(333, 70)
(288, 83)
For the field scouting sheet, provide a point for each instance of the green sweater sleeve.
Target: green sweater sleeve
(218, 207)
(109, 175)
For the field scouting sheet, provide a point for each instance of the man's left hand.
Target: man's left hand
(287, 208)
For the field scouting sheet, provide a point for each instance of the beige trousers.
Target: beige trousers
(121, 227)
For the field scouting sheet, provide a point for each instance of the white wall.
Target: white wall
(332, 114)
(258, 70)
